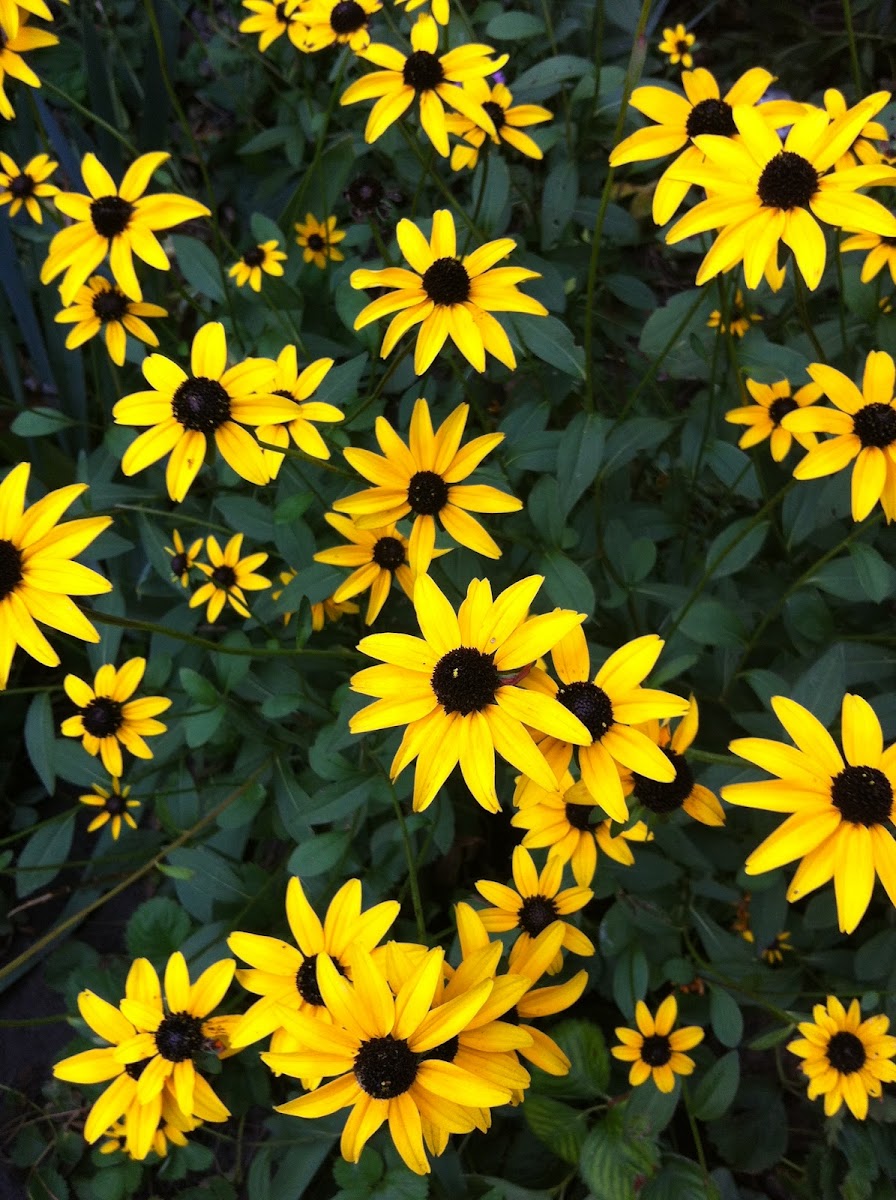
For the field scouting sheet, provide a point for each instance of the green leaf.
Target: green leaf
(197, 687)
(49, 845)
(551, 341)
(589, 1074)
(876, 577)
(199, 267)
(726, 1017)
(265, 230)
(680, 1179)
(319, 853)
(40, 740)
(40, 421)
(716, 1090)
(735, 547)
(579, 457)
(514, 27)
(711, 623)
(560, 1127)
(158, 928)
(614, 1164)
(558, 202)
(493, 206)
(566, 583)
(547, 77)
(630, 977)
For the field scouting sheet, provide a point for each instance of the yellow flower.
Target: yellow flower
(338, 22)
(10, 16)
(864, 425)
(763, 191)
(265, 257)
(456, 689)
(228, 576)
(172, 1130)
(183, 558)
(439, 9)
(862, 149)
(320, 240)
(423, 477)
(100, 305)
(108, 719)
(676, 45)
(845, 1058)
(509, 121)
(774, 952)
(653, 1049)
(37, 574)
(184, 411)
(114, 221)
(740, 319)
(841, 813)
(321, 611)
(378, 556)
(425, 75)
(12, 47)
(881, 253)
(271, 19)
(452, 295)
(114, 804)
(774, 401)
(286, 381)
(681, 792)
(23, 187)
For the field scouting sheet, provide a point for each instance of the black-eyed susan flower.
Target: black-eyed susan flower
(508, 119)
(378, 556)
(763, 191)
(184, 411)
(448, 295)
(654, 1049)
(286, 977)
(610, 707)
(739, 320)
(13, 66)
(772, 953)
(229, 577)
(423, 477)
(10, 11)
(368, 198)
(456, 688)
(774, 401)
(881, 253)
(101, 306)
(682, 792)
(183, 557)
(172, 1131)
(23, 187)
(38, 576)
(846, 1058)
(115, 805)
(841, 813)
(264, 259)
(677, 44)
(114, 221)
(864, 427)
(108, 718)
(424, 75)
(377, 1047)
(862, 150)
(319, 240)
(338, 22)
(287, 381)
(440, 10)
(537, 902)
(270, 19)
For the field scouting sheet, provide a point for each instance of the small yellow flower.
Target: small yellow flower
(100, 305)
(266, 257)
(653, 1049)
(676, 45)
(319, 240)
(288, 382)
(774, 952)
(439, 9)
(681, 792)
(378, 556)
(183, 558)
(881, 253)
(774, 401)
(509, 121)
(271, 19)
(25, 186)
(862, 152)
(108, 719)
(338, 22)
(228, 575)
(739, 317)
(114, 804)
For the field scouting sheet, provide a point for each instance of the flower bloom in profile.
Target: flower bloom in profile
(38, 576)
(319, 240)
(184, 411)
(862, 150)
(101, 306)
(841, 813)
(12, 47)
(774, 952)
(287, 381)
(456, 688)
(881, 253)
(115, 807)
(681, 792)
(285, 977)
(610, 707)
(108, 718)
(377, 1047)
(846, 1058)
(440, 10)
(172, 1131)
(653, 1049)
(423, 477)
(270, 19)
(537, 903)
(425, 75)
(448, 295)
(265, 258)
(864, 427)
(114, 221)
(22, 188)
(337, 23)
(229, 577)
(676, 45)
(739, 319)
(378, 556)
(183, 557)
(508, 119)
(763, 191)
(322, 611)
(774, 401)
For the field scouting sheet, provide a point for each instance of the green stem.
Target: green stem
(91, 116)
(294, 204)
(695, 1132)
(412, 868)
(853, 52)
(802, 307)
(841, 309)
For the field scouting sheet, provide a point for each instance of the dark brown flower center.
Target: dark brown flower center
(179, 564)
(110, 215)
(180, 1037)
(590, 704)
(875, 425)
(254, 256)
(711, 116)
(666, 797)
(10, 568)
(495, 111)
(201, 404)
(447, 281)
(863, 795)
(102, 717)
(656, 1050)
(787, 181)
(579, 815)
(224, 576)
(778, 409)
(846, 1053)
(385, 1067)
(682, 47)
(347, 17)
(536, 914)
(281, 14)
(135, 1070)
(21, 186)
(427, 493)
(306, 980)
(110, 305)
(465, 680)
(447, 1052)
(116, 805)
(422, 71)
(388, 552)
(315, 242)
(365, 193)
